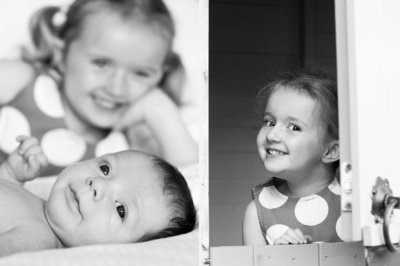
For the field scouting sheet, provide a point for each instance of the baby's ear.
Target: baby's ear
(332, 153)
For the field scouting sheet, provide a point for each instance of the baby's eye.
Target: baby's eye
(294, 128)
(120, 210)
(105, 169)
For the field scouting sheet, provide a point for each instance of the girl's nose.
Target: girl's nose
(273, 135)
(117, 86)
(97, 187)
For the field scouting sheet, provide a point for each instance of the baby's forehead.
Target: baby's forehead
(129, 158)
(134, 163)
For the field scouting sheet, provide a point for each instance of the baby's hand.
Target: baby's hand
(28, 160)
(293, 236)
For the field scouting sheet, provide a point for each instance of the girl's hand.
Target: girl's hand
(160, 116)
(146, 109)
(27, 161)
(293, 236)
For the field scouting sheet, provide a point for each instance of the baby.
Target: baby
(123, 197)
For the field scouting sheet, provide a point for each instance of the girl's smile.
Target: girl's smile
(274, 152)
(107, 103)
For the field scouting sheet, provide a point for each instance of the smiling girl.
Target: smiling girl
(102, 78)
(299, 144)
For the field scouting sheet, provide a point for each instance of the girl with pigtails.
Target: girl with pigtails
(101, 77)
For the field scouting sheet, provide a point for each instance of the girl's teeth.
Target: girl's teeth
(105, 104)
(275, 152)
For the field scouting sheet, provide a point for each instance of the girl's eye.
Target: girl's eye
(101, 62)
(269, 123)
(120, 210)
(105, 169)
(293, 128)
(142, 74)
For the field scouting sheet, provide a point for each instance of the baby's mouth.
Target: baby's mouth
(75, 200)
(276, 152)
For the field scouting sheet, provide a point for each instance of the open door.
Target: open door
(368, 54)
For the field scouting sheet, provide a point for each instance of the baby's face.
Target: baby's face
(116, 198)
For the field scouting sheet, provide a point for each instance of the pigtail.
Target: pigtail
(174, 77)
(46, 42)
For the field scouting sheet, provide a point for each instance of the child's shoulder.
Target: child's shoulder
(14, 76)
(272, 182)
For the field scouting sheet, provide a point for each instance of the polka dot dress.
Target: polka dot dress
(317, 215)
(37, 111)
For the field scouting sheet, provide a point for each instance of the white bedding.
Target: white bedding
(174, 251)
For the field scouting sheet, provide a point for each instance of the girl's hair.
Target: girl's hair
(179, 201)
(47, 37)
(316, 82)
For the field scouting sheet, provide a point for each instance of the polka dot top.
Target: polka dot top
(37, 111)
(317, 215)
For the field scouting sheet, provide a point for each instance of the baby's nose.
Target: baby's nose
(96, 187)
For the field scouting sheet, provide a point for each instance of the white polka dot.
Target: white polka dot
(270, 241)
(335, 187)
(340, 230)
(270, 198)
(47, 96)
(12, 124)
(63, 147)
(311, 210)
(114, 142)
(275, 231)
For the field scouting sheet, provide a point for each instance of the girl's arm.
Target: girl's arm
(162, 116)
(14, 76)
(252, 234)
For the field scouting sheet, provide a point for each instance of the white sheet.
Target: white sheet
(174, 251)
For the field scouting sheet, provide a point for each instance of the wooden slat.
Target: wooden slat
(240, 256)
(226, 224)
(234, 139)
(239, 16)
(260, 2)
(227, 87)
(254, 41)
(239, 191)
(287, 255)
(325, 17)
(325, 44)
(236, 165)
(233, 113)
(351, 253)
(254, 66)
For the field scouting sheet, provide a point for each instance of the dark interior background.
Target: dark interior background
(249, 39)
